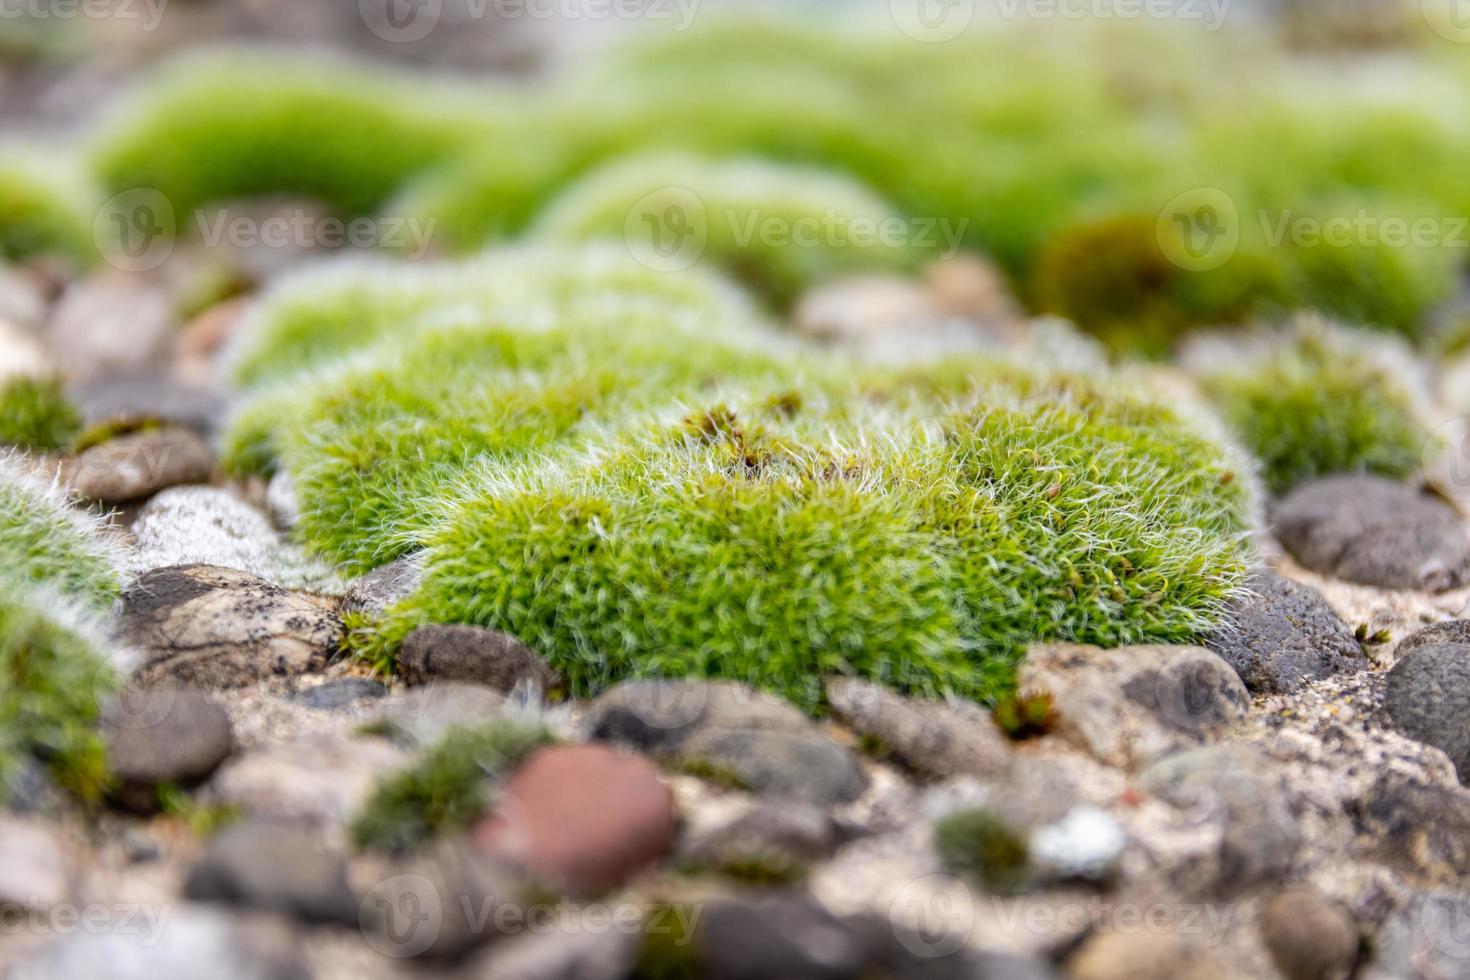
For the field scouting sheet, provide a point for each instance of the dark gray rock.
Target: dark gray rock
(1420, 830)
(274, 867)
(1374, 531)
(804, 766)
(800, 938)
(336, 695)
(1308, 937)
(791, 835)
(658, 716)
(1456, 631)
(210, 627)
(383, 587)
(577, 953)
(177, 737)
(1235, 784)
(474, 656)
(442, 905)
(187, 943)
(134, 397)
(1428, 699)
(1282, 634)
(929, 737)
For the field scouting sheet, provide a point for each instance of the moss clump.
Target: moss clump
(46, 206)
(446, 790)
(53, 669)
(51, 678)
(44, 542)
(314, 318)
(777, 228)
(1320, 402)
(234, 123)
(920, 546)
(1114, 279)
(35, 414)
(980, 844)
(381, 445)
(1026, 716)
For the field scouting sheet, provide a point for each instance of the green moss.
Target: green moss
(380, 446)
(777, 228)
(1114, 279)
(1026, 716)
(234, 123)
(314, 318)
(922, 547)
(980, 844)
(35, 414)
(446, 790)
(52, 676)
(46, 206)
(709, 771)
(1322, 402)
(45, 542)
(202, 819)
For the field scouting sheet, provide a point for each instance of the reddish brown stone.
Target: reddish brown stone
(585, 817)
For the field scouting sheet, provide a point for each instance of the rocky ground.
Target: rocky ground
(1282, 801)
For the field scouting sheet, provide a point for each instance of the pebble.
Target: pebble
(421, 716)
(376, 592)
(473, 655)
(274, 867)
(110, 324)
(21, 354)
(211, 627)
(1144, 954)
(803, 766)
(149, 395)
(787, 833)
(138, 464)
(658, 716)
(856, 309)
(317, 780)
(585, 817)
(1130, 706)
(1421, 830)
(1428, 699)
(931, 738)
(1454, 631)
(1374, 531)
(163, 736)
(1235, 785)
(1308, 937)
(339, 694)
(1281, 634)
